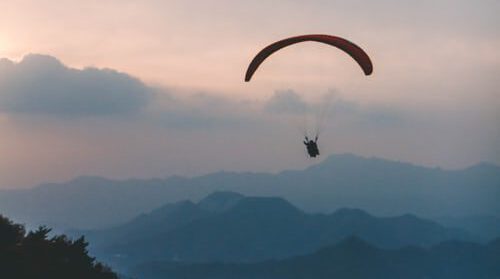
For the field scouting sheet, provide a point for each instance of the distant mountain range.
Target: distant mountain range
(351, 258)
(381, 187)
(486, 227)
(229, 227)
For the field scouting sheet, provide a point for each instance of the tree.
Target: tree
(35, 255)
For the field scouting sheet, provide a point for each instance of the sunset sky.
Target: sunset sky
(155, 88)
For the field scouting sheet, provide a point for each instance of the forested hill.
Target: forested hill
(35, 254)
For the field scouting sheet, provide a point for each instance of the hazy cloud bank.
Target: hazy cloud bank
(41, 84)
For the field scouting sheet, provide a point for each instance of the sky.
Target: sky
(143, 89)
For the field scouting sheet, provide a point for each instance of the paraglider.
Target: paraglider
(357, 53)
(312, 147)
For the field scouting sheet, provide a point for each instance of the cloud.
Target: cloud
(42, 85)
(331, 106)
(286, 102)
(201, 111)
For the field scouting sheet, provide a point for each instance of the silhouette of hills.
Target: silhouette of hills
(161, 220)
(252, 229)
(486, 227)
(379, 186)
(350, 258)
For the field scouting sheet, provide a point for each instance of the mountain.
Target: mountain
(351, 258)
(220, 201)
(252, 229)
(158, 221)
(161, 220)
(87, 202)
(379, 186)
(486, 227)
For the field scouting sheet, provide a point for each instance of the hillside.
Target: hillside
(351, 258)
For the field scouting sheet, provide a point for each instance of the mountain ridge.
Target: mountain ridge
(380, 186)
(255, 228)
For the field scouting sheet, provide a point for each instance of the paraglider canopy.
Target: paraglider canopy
(358, 54)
